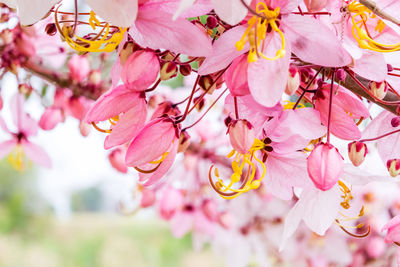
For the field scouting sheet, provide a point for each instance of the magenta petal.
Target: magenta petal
(268, 78)
(151, 143)
(6, 147)
(314, 42)
(128, 125)
(224, 51)
(36, 154)
(156, 29)
(111, 104)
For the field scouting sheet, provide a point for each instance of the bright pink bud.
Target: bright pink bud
(340, 75)
(50, 118)
(236, 77)
(148, 198)
(324, 166)
(393, 166)
(117, 160)
(357, 152)
(375, 247)
(393, 230)
(79, 68)
(170, 202)
(140, 70)
(315, 5)
(378, 89)
(293, 81)
(210, 209)
(241, 135)
(395, 121)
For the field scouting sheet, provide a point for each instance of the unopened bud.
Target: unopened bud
(184, 141)
(389, 68)
(293, 81)
(393, 166)
(241, 135)
(201, 103)
(51, 29)
(25, 89)
(206, 82)
(315, 5)
(95, 77)
(168, 70)
(378, 89)
(126, 51)
(212, 22)
(340, 74)
(185, 69)
(395, 121)
(357, 152)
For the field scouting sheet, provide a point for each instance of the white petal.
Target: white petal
(31, 11)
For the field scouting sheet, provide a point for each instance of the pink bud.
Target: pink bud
(340, 75)
(357, 152)
(141, 70)
(375, 247)
(236, 77)
(324, 166)
(393, 230)
(170, 202)
(393, 166)
(79, 68)
(241, 135)
(293, 81)
(50, 118)
(395, 121)
(315, 5)
(212, 22)
(210, 209)
(378, 89)
(117, 160)
(148, 198)
(84, 128)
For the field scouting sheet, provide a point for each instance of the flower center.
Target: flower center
(17, 159)
(256, 32)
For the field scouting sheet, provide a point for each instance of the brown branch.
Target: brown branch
(371, 5)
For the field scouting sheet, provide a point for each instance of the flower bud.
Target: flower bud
(201, 103)
(168, 70)
(50, 118)
(395, 121)
(340, 74)
(84, 128)
(393, 230)
(315, 5)
(51, 29)
(293, 81)
(79, 68)
(185, 69)
(389, 68)
(206, 82)
(357, 152)
(241, 135)
(126, 51)
(148, 198)
(378, 89)
(184, 141)
(324, 166)
(95, 77)
(212, 22)
(393, 166)
(117, 160)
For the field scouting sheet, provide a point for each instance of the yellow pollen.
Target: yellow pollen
(347, 196)
(360, 30)
(104, 41)
(242, 165)
(256, 32)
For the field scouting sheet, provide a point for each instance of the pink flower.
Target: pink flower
(26, 127)
(393, 230)
(324, 166)
(152, 152)
(79, 68)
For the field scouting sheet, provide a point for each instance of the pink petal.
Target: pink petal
(371, 66)
(224, 51)
(350, 103)
(111, 104)
(128, 125)
(151, 143)
(314, 42)
(120, 13)
(6, 147)
(182, 223)
(156, 29)
(230, 11)
(180, 8)
(236, 77)
(268, 78)
(3, 125)
(285, 172)
(36, 154)
(116, 73)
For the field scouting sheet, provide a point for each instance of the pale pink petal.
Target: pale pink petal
(6, 147)
(268, 78)
(380, 123)
(116, 73)
(36, 154)
(10, 3)
(116, 12)
(357, 176)
(157, 30)
(230, 11)
(371, 66)
(182, 223)
(314, 42)
(180, 8)
(151, 142)
(285, 172)
(202, 224)
(350, 103)
(3, 125)
(128, 125)
(236, 77)
(31, 11)
(224, 51)
(111, 104)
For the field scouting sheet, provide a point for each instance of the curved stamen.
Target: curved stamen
(354, 235)
(101, 130)
(148, 171)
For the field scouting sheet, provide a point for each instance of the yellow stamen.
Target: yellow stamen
(17, 159)
(256, 32)
(101, 130)
(161, 159)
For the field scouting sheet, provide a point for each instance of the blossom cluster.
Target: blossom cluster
(283, 82)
